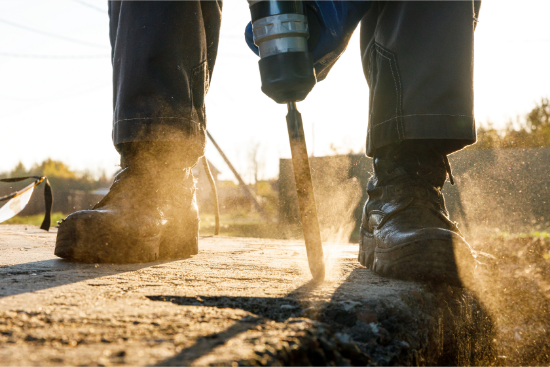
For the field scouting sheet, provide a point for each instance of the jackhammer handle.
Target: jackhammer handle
(304, 189)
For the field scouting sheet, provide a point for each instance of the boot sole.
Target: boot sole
(446, 260)
(81, 246)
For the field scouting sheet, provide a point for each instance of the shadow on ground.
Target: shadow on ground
(441, 326)
(45, 274)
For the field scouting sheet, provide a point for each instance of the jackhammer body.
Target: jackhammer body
(281, 31)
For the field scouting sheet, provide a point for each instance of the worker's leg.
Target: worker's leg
(163, 58)
(163, 55)
(418, 61)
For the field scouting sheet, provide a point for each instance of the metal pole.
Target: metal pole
(248, 193)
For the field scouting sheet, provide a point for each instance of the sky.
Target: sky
(61, 108)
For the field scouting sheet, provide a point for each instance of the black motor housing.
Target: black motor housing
(281, 31)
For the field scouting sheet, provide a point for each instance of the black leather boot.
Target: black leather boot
(406, 231)
(150, 212)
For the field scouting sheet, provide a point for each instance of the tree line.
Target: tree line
(59, 175)
(529, 131)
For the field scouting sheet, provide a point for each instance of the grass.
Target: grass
(231, 225)
(533, 234)
(247, 226)
(35, 220)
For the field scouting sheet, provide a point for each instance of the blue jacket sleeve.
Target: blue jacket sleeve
(337, 20)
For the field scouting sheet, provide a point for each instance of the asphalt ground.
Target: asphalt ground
(240, 301)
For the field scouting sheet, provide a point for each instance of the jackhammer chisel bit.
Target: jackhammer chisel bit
(280, 30)
(304, 188)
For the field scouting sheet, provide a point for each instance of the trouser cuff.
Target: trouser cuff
(458, 130)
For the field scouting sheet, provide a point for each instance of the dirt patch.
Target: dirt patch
(517, 295)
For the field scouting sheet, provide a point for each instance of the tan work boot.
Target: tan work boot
(150, 213)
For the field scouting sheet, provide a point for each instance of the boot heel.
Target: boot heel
(180, 242)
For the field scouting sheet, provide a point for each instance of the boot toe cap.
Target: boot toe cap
(102, 236)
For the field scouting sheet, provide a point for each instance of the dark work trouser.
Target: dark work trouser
(418, 59)
(163, 55)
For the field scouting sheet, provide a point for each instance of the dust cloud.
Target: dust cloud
(337, 195)
(502, 200)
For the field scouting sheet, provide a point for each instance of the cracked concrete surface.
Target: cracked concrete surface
(238, 302)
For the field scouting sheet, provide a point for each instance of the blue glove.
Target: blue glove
(331, 24)
(249, 38)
